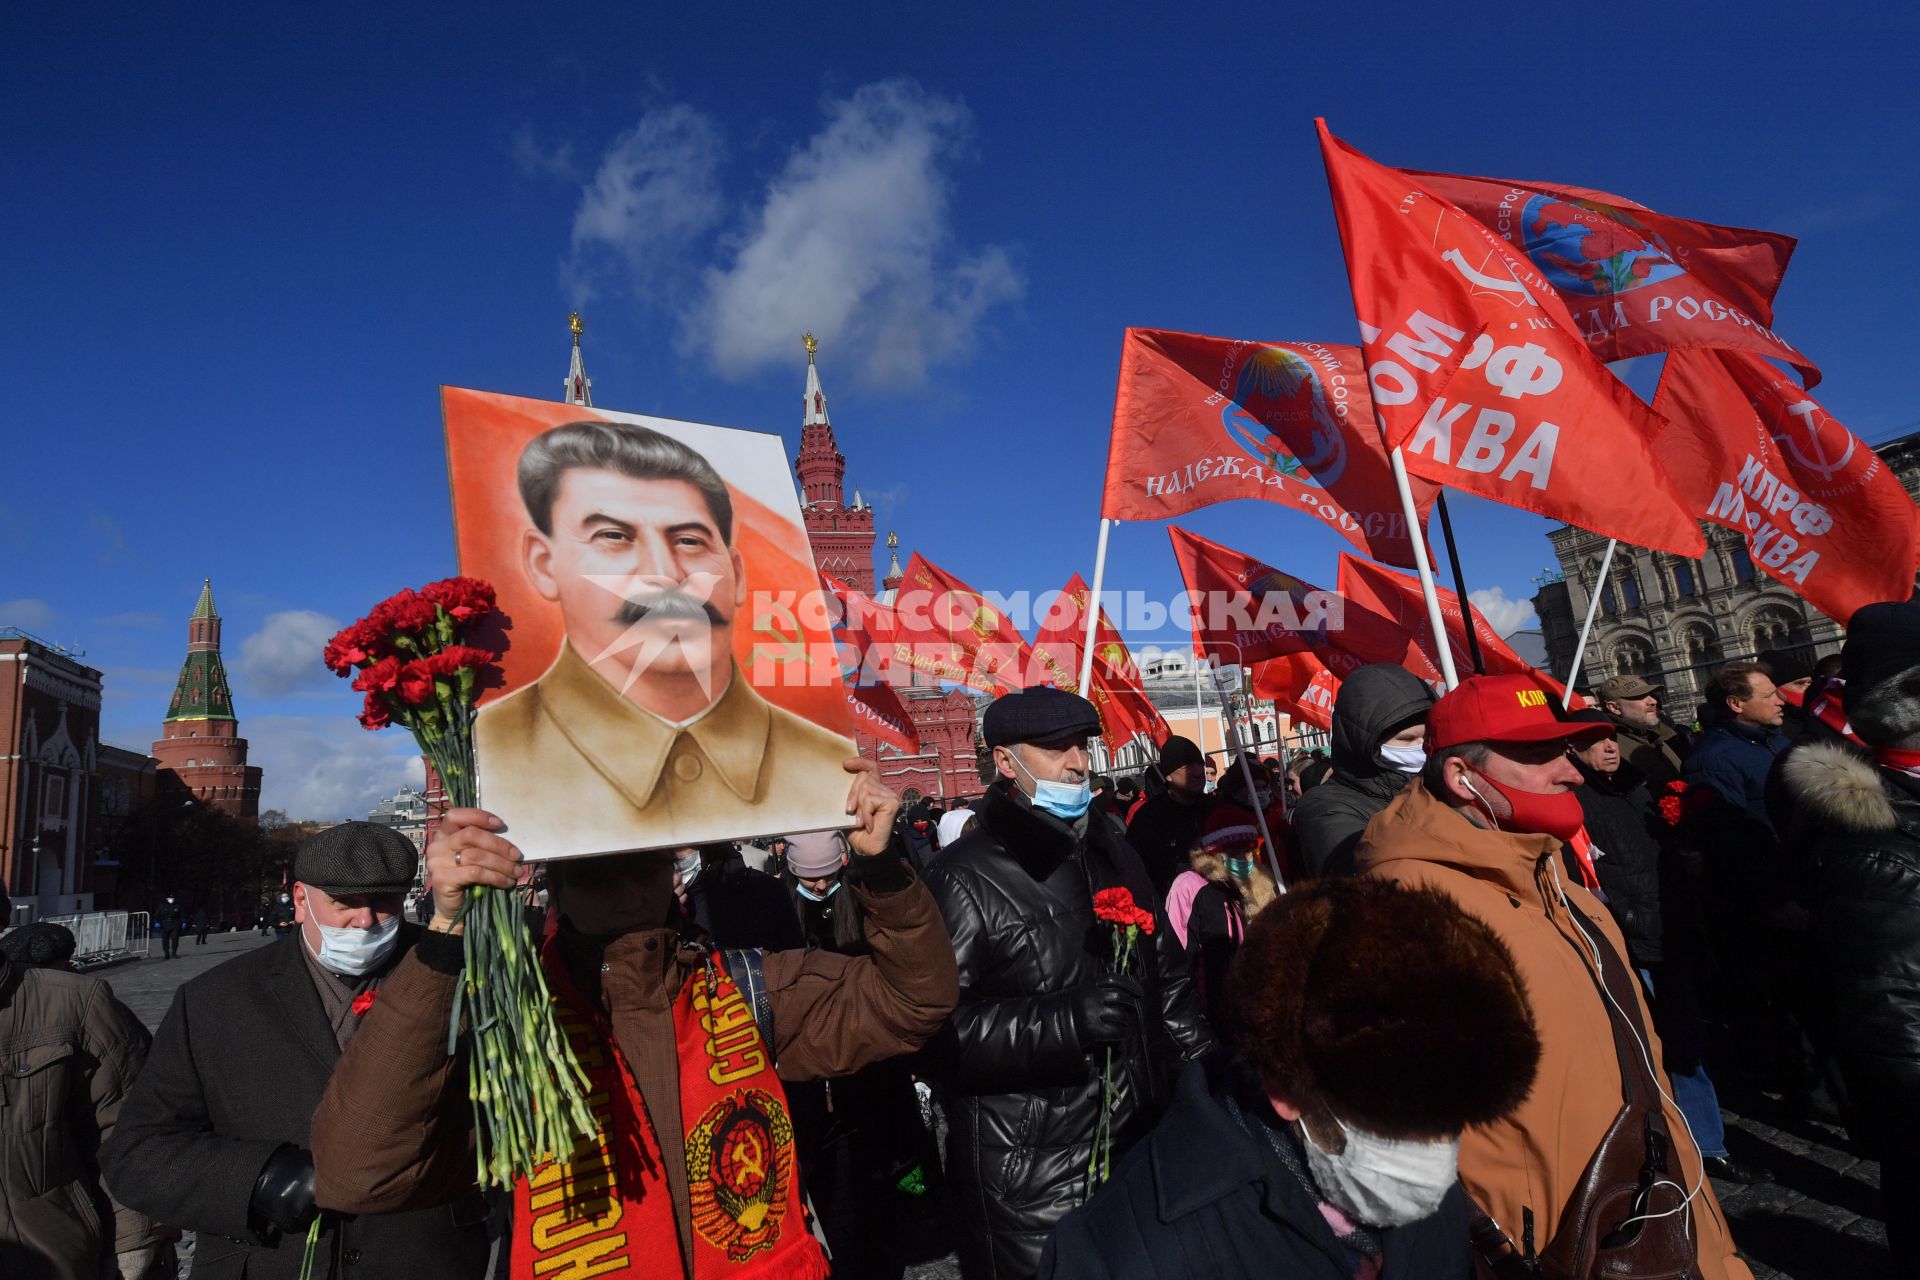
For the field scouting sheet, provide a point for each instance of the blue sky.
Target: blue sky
(241, 251)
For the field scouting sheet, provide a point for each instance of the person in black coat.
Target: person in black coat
(1260, 1168)
(737, 906)
(1651, 896)
(1041, 1011)
(1379, 726)
(1863, 820)
(1167, 825)
(214, 1138)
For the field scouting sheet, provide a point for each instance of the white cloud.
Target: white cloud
(657, 191)
(283, 656)
(854, 242)
(27, 614)
(327, 768)
(1503, 615)
(537, 161)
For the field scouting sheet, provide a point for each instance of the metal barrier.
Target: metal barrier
(100, 936)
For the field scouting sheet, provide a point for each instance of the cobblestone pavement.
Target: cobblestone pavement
(1819, 1220)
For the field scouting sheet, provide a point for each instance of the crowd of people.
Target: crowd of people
(1459, 997)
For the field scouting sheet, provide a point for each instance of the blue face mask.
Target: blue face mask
(1061, 799)
(811, 896)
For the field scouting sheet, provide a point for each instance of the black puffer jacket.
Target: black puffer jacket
(1375, 703)
(1864, 860)
(1022, 1092)
(1624, 825)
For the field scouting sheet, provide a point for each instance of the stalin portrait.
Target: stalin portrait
(644, 733)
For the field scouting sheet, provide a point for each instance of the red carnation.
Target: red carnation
(1674, 803)
(1145, 920)
(455, 658)
(364, 1002)
(415, 684)
(354, 646)
(407, 612)
(1115, 906)
(381, 677)
(376, 715)
(463, 598)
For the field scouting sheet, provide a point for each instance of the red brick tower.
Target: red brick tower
(202, 751)
(841, 535)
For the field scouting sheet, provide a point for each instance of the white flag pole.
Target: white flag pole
(1586, 628)
(1442, 646)
(1221, 682)
(1093, 608)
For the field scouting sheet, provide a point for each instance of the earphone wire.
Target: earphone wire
(1646, 1057)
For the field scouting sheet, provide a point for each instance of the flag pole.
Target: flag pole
(1586, 628)
(1246, 776)
(1460, 587)
(1443, 647)
(1093, 608)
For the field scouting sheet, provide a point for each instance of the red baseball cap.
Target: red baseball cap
(1502, 709)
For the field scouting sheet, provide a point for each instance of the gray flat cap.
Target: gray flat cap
(356, 857)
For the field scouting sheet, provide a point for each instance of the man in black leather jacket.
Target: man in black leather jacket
(1022, 1061)
(1859, 815)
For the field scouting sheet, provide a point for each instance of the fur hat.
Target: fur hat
(1387, 1005)
(1881, 664)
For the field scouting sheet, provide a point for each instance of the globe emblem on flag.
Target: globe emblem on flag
(1591, 249)
(1280, 414)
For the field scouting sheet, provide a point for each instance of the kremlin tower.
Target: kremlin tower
(202, 752)
(841, 535)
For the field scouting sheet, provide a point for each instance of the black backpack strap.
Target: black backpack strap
(743, 966)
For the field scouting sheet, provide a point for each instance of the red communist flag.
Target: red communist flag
(1299, 684)
(1479, 372)
(863, 632)
(1245, 611)
(945, 628)
(1398, 596)
(1199, 420)
(1125, 710)
(1820, 510)
(1637, 282)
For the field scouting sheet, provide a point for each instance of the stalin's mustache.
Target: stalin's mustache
(667, 605)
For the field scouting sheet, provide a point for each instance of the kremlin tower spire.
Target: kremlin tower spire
(895, 574)
(579, 387)
(201, 750)
(841, 536)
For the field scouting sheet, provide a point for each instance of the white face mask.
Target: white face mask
(688, 867)
(1383, 1182)
(1404, 759)
(356, 951)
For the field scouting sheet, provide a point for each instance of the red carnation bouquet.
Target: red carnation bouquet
(411, 659)
(1130, 923)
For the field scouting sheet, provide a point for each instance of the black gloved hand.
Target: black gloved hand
(282, 1199)
(1108, 1010)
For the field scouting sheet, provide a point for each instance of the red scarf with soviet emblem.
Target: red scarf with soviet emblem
(606, 1209)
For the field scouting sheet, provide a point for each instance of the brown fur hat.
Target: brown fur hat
(1388, 1005)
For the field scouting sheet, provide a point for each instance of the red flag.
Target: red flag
(1820, 510)
(1125, 710)
(1299, 684)
(863, 636)
(1398, 596)
(1245, 611)
(1478, 370)
(1637, 282)
(1198, 420)
(952, 632)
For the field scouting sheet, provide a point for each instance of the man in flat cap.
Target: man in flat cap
(214, 1138)
(1647, 741)
(1040, 1006)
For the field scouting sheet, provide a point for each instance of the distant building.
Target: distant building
(50, 722)
(406, 811)
(1675, 620)
(201, 752)
(948, 764)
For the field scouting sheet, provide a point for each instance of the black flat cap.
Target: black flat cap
(356, 857)
(1040, 714)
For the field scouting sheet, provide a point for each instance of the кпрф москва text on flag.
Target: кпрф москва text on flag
(1479, 373)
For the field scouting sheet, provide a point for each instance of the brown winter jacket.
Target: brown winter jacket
(68, 1054)
(1534, 1157)
(832, 1015)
